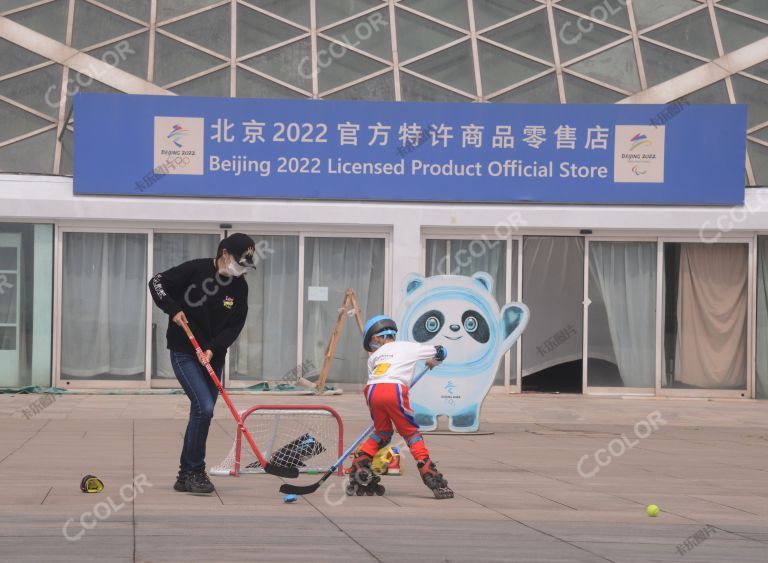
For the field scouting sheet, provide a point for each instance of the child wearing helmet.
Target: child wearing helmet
(391, 368)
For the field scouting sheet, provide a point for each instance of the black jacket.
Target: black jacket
(216, 306)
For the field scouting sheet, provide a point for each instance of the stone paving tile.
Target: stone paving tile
(519, 494)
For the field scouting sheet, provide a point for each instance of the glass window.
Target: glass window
(553, 290)
(266, 348)
(705, 316)
(616, 66)
(622, 314)
(467, 257)
(170, 250)
(26, 304)
(209, 29)
(331, 266)
(103, 306)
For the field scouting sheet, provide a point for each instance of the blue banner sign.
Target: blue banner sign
(678, 154)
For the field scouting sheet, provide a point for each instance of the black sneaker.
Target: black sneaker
(198, 482)
(181, 482)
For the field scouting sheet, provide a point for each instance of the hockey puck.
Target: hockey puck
(290, 498)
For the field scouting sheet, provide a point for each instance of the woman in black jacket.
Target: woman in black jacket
(210, 295)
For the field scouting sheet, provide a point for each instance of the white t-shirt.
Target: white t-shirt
(395, 362)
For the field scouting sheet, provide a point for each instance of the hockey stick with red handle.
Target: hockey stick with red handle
(287, 472)
(289, 489)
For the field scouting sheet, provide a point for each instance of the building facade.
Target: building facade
(624, 299)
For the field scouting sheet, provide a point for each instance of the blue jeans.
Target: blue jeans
(202, 394)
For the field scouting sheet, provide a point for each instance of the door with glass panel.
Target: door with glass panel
(331, 264)
(467, 256)
(706, 295)
(10, 266)
(553, 290)
(169, 249)
(266, 349)
(620, 313)
(104, 307)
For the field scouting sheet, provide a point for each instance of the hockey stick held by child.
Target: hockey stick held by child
(291, 489)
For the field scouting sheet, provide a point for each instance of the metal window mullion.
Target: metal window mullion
(556, 52)
(438, 21)
(673, 19)
(353, 49)
(427, 54)
(274, 47)
(355, 82)
(728, 81)
(195, 12)
(313, 46)
(605, 85)
(63, 94)
(151, 43)
(517, 85)
(513, 19)
(636, 42)
(351, 18)
(720, 49)
(28, 135)
(233, 49)
(514, 51)
(475, 50)
(193, 45)
(440, 85)
(273, 79)
(395, 53)
(118, 13)
(221, 66)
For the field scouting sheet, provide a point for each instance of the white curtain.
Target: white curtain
(623, 293)
(266, 348)
(711, 343)
(761, 347)
(103, 306)
(553, 289)
(171, 249)
(338, 264)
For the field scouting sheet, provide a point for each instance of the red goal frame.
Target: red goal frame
(235, 472)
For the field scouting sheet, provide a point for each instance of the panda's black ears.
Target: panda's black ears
(514, 319)
(412, 283)
(484, 279)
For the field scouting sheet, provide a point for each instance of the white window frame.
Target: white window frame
(57, 312)
(317, 232)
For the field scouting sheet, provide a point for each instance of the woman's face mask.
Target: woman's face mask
(235, 269)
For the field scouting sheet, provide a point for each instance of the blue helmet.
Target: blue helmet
(380, 325)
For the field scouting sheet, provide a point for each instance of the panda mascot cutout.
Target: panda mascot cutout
(461, 314)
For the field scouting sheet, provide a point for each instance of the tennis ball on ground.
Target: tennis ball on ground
(290, 498)
(652, 510)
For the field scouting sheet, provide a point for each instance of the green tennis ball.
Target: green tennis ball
(652, 510)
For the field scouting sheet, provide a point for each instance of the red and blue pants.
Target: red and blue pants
(389, 406)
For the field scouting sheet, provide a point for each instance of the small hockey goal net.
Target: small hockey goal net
(308, 437)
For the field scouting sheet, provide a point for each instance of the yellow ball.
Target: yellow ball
(652, 510)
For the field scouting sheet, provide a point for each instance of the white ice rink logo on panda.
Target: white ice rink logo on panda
(460, 313)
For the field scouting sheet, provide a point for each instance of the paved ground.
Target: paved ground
(520, 495)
